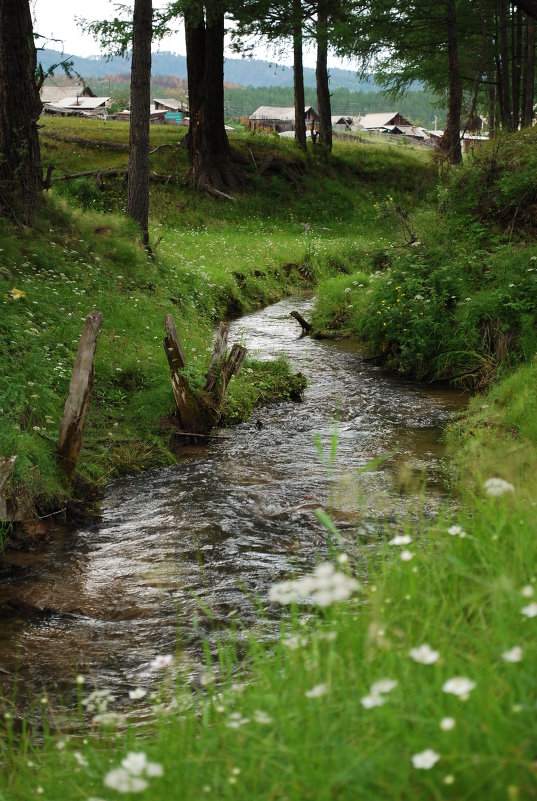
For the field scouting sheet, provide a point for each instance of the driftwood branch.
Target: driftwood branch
(78, 400)
(306, 327)
(115, 172)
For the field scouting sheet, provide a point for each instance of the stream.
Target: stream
(180, 553)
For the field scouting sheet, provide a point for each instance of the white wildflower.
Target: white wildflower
(110, 719)
(449, 779)
(406, 555)
(530, 610)
(513, 655)
(497, 487)
(372, 700)
(317, 691)
(122, 781)
(527, 591)
(137, 693)
(262, 718)
(424, 654)
(98, 701)
(455, 531)
(426, 759)
(383, 686)
(401, 539)
(460, 686)
(324, 586)
(447, 724)
(82, 761)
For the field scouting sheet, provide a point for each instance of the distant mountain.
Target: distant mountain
(241, 71)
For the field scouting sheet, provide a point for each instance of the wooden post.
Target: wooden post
(192, 415)
(306, 327)
(78, 400)
(219, 351)
(6, 469)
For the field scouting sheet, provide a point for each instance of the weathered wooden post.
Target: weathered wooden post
(306, 327)
(6, 469)
(194, 418)
(200, 413)
(78, 400)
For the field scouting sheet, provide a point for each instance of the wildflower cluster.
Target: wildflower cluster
(323, 587)
(132, 776)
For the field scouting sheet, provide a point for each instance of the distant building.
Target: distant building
(278, 118)
(170, 104)
(78, 105)
(380, 121)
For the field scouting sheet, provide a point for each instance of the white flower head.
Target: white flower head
(317, 691)
(514, 654)
(383, 686)
(110, 719)
(324, 586)
(426, 759)
(401, 539)
(447, 724)
(497, 487)
(424, 654)
(262, 718)
(135, 762)
(406, 555)
(454, 531)
(528, 591)
(122, 781)
(373, 699)
(530, 610)
(460, 686)
(137, 693)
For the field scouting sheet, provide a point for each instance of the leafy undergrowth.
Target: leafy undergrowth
(419, 686)
(454, 297)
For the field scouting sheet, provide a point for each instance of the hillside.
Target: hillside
(242, 71)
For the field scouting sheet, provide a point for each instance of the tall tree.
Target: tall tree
(451, 140)
(298, 76)
(20, 107)
(321, 77)
(138, 185)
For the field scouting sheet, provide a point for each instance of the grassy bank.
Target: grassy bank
(212, 260)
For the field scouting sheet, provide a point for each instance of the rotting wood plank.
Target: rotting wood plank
(219, 351)
(78, 399)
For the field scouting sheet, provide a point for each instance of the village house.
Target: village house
(78, 105)
(278, 118)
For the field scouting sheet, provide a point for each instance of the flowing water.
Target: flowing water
(182, 552)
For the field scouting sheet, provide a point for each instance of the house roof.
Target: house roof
(378, 120)
(283, 113)
(80, 102)
(171, 102)
(341, 120)
(52, 94)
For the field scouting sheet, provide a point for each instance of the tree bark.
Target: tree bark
(516, 68)
(491, 102)
(322, 79)
(529, 73)
(138, 186)
(505, 105)
(21, 173)
(451, 140)
(208, 147)
(298, 77)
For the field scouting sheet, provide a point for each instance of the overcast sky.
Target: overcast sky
(56, 19)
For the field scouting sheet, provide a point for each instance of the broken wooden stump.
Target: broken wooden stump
(6, 469)
(78, 400)
(199, 413)
(306, 327)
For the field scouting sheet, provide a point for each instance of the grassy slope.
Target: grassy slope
(212, 260)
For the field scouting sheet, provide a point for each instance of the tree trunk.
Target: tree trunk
(491, 102)
(529, 73)
(516, 68)
(322, 79)
(208, 147)
(451, 140)
(138, 186)
(21, 174)
(298, 77)
(507, 116)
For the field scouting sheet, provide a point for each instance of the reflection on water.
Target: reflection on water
(213, 532)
